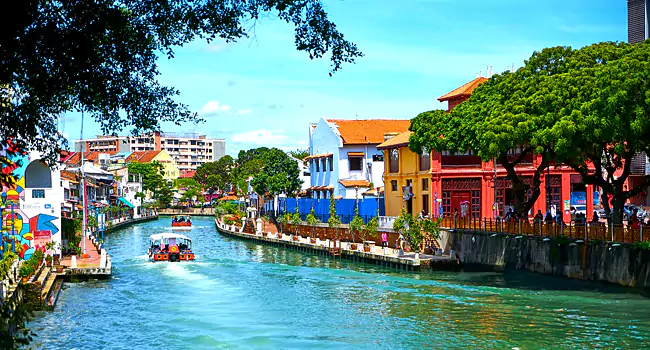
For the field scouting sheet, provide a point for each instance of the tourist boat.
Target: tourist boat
(181, 222)
(170, 247)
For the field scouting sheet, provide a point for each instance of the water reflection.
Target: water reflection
(243, 295)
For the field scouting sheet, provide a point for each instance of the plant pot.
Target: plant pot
(296, 239)
(279, 236)
(84, 256)
(428, 251)
(48, 263)
(312, 241)
(25, 279)
(58, 269)
(353, 246)
(366, 249)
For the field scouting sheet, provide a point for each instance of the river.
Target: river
(240, 295)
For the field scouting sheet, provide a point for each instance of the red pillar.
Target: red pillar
(542, 200)
(590, 201)
(566, 197)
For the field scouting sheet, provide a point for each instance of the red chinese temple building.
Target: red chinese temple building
(458, 179)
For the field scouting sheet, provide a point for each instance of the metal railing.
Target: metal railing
(586, 231)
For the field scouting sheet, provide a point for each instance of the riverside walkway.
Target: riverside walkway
(387, 257)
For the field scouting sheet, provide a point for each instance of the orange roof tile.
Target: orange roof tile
(398, 140)
(354, 183)
(464, 90)
(188, 174)
(365, 131)
(68, 175)
(142, 156)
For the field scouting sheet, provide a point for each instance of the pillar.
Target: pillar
(590, 201)
(566, 197)
(487, 196)
(542, 200)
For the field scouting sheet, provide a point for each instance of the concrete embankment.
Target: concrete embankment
(621, 264)
(387, 257)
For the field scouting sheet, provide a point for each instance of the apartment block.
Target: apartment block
(103, 144)
(190, 150)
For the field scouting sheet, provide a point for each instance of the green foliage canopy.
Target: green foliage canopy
(101, 57)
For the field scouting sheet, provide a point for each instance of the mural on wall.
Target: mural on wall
(28, 232)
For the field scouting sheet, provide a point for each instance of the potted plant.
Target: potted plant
(369, 231)
(48, 260)
(312, 221)
(281, 220)
(431, 229)
(25, 271)
(58, 268)
(355, 226)
(296, 221)
(334, 220)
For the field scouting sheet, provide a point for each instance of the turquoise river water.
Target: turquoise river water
(240, 295)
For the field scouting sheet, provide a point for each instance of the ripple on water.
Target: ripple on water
(239, 295)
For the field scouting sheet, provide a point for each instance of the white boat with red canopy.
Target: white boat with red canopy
(170, 247)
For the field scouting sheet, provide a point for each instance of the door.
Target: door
(458, 197)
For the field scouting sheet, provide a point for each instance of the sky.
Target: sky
(261, 91)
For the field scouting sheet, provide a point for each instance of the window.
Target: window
(425, 184)
(317, 163)
(425, 160)
(38, 193)
(393, 185)
(425, 204)
(330, 159)
(37, 175)
(356, 163)
(394, 160)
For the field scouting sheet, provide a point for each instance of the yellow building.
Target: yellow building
(403, 168)
(170, 167)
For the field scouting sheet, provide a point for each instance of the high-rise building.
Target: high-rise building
(103, 144)
(638, 29)
(190, 150)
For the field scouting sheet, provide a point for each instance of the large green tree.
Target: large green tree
(279, 174)
(100, 57)
(249, 163)
(217, 175)
(153, 181)
(599, 117)
(514, 115)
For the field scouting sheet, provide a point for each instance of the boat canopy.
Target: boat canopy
(167, 235)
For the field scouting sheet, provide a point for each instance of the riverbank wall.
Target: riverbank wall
(390, 258)
(615, 263)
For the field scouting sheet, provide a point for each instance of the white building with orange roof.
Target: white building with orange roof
(343, 157)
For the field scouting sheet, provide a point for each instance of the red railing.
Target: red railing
(588, 231)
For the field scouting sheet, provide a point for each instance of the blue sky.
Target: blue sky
(262, 92)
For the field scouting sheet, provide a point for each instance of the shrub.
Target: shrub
(25, 270)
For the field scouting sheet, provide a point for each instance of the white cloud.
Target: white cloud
(216, 47)
(260, 137)
(212, 108)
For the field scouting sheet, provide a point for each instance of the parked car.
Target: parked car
(629, 208)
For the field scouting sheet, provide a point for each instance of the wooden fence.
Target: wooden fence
(588, 231)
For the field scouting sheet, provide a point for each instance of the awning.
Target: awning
(125, 202)
(355, 154)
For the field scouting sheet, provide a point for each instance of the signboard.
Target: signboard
(48, 206)
(42, 234)
(567, 206)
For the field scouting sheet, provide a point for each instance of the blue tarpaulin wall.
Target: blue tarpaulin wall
(344, 208)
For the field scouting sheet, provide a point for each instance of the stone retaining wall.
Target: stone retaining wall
(594, 260)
